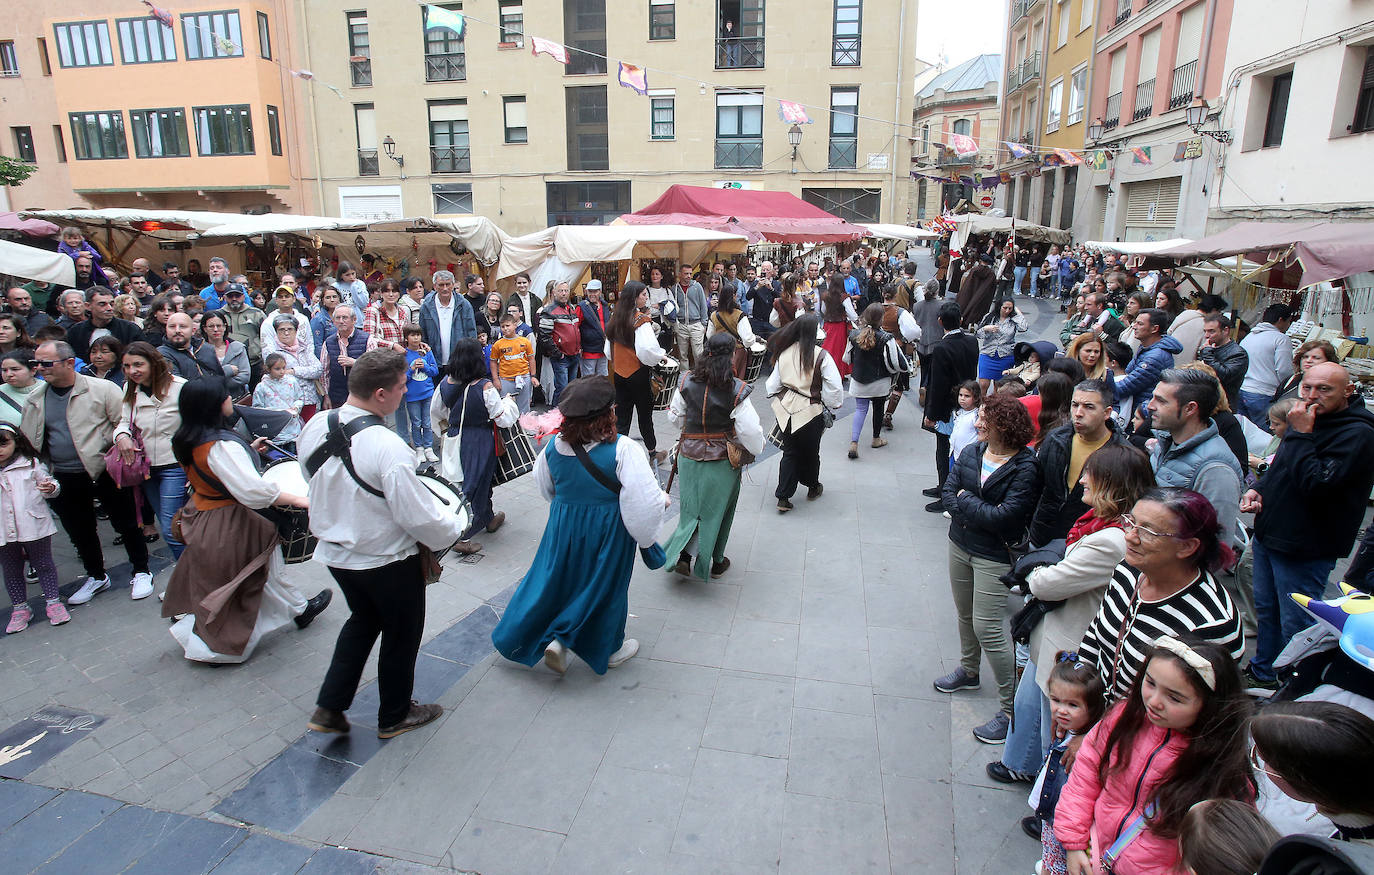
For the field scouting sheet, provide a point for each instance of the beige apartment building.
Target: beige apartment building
(434, 123)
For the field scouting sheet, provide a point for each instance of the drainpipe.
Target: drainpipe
(1205, 55)
(314, 121)
(897, 115)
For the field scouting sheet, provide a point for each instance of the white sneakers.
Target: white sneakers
(556, 656)
(89, 589)
(429, 454)
(141, 586)
(623, 655)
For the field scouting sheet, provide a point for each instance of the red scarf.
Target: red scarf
(1087, 524)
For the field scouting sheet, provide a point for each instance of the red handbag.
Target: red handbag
(126, 474)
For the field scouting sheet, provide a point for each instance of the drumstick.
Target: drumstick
(280, 449)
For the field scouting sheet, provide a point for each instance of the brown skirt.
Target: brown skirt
(221, 574)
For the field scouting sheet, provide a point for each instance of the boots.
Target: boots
(892, 401)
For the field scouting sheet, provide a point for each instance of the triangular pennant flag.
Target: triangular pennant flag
(437, 17)
(1016, 149)
(1068, 158)
(793, 113)
(963, 145)
(1004, 176)
(1140, 154)
(554, 50)
(1099, 160)
(161, 15)
(634, 78)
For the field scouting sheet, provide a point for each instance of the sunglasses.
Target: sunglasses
(43, 363)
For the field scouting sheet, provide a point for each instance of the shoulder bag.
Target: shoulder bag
(126, 474)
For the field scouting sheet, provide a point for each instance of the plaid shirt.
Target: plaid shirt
(378, 323)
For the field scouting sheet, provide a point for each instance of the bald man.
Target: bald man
(1308, 506)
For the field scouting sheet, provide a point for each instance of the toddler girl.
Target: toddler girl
(281, 391)
(26, 528)
(1077, 700)
(960, 426)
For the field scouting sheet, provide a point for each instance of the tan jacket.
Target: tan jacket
(156, 420)
(93, 409)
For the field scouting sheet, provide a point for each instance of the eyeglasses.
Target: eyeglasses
(286, 328)
(1257, 763)
(1129, 524)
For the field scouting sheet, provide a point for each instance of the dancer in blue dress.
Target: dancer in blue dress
(575, 597)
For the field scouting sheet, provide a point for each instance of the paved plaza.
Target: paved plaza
(780, 719)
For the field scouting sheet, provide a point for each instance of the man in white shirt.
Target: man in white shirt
(369, 510)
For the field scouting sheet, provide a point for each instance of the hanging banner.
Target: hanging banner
(161, 15)
(438, 18)
(554, 50)
(1099, 160)
(1188, 150)
(1140, 154)
(634, 78)
(1016, 149)
(793, 113)
(963, 145)
(1067, 157)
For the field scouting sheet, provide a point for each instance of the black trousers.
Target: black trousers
(941, 458)
(801, 458)
(387, 601)
(924, 359)
(633, 394)
(75, 508)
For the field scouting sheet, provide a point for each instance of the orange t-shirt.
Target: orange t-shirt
(509, 354)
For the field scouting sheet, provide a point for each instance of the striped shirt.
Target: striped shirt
(1125, 627)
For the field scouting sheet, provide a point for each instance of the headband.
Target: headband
(1191, 658)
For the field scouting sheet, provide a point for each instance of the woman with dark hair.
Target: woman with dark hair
(322, 323)
(990, 495)
(1313, 352)
(837, 314)
(150, 416)
(875, 360)
(803, 384)
(997, 341)
(386, 320)
(13, 334)
(1170, 301)
(634, 350)
(160, 309)
(1056, 395)
(711, 408)
(877, 282)
(232, 589)
(1165, 586)
(787, 305)
(232, 355)
(604, 499)
(19, 373)
(474, 406)
(106, 360)
(728, 318)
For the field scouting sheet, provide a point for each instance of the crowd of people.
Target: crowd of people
(1104, 480)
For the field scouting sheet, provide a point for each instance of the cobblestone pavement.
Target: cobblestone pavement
(780, 719)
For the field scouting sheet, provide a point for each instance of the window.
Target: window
(9, 62)
(512, 22)
(365, 122)
(586, 203)
(273, 130)
(662, 19)
(663, 114)
(359, 50)
(844, 127)
(739, 129)
(452, 197)
(212, 35)
(517, 124)
(742, 46)
(23, 145)
(449, 150)
(98, 135)
(264, 37)
(1078, 91)
(1070, 175)
(43, 61)
(1278, 109)
(850, 204)
(159, 133)
(584, 27)
(61, 143)
(1364, 101)
(445, 58)
(83, 44)
(844, 50)
(145, 41)
(1062, 10)
(1052, 105)
(588, 136)
(1085, 15)
(224, 130)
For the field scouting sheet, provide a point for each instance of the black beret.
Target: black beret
(586, 396)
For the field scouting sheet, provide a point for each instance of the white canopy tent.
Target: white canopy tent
(477, 234)
(563, 252)
(1139, 248)
(33, 263)
(898, 232)
(970, 225)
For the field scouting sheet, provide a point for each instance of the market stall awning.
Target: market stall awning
(33, 263)
(477, 234)
(897, 232)
(1123, 247)
(1324, 250)
(27, 227)
(773, 216)
(969, 225)
(577, 245)
(155, 222)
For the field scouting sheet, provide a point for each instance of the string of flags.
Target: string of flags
(1093, 159)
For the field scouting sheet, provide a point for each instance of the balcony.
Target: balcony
(367, 163)
(1052, 125)
(1028, 138)
(450, 159)
(1019, 9)
(844, 154)
(742, 153)
(1181, 86)
(1013, 78)
(844, 51)
(361, 71)
(451, 67)
(1144, 100)
(1123, 12)
(1111, 116)
(739, 51)
(947, 158)
(1024, 72)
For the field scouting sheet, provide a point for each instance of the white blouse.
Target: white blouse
(230, 462)
(747, 426)
(643, 503)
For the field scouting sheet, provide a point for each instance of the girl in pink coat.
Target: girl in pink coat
(1177, 740)
(26, 528)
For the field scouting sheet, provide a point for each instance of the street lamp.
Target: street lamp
(1197, 117)
(389, 146)
(794, 135)
(1095, 130)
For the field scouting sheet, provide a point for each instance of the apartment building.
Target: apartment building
(1023, 100)
(437, 122)
(118, 108)
(1064, 95)
(960, 100)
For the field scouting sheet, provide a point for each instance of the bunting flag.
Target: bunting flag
(554, 50)
(161, 15)
(634, 78)
(1188, 150)
(793, 113)
(1016, 149)
(963, 145)
(1068, 158)
(1004, 177)
(303, 74)
(226, 46)
(1140, 154)
(437, 17)
(1099, 160)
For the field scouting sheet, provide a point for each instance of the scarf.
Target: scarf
(1087, 524)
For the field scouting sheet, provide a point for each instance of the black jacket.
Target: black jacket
(953, 360)
(1315, 490)
(1059, 506)
(193, 363)
(989, 516)
(1230, 361)
(79, 335)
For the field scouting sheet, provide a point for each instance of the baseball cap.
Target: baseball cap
(593, 284)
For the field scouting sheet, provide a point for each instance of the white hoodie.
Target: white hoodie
(1271, 360)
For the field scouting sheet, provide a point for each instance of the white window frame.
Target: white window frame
(1076, 110)
(659, 94)
(1064, 8)
(1054, 100)
(1085, 16)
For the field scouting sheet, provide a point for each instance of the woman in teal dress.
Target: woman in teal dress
(575, 597)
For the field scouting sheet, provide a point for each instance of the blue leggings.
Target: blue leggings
(40, 557)
(861, 406)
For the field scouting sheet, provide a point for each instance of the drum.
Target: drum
(515, 454)
(453, 499)
(668, 373)
(758, 350)
(297, 544)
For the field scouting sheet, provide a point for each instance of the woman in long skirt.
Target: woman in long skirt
(474, 406)
(230, 583)
(803, 382)
(710, 407)
(575, 597)
(837, 315)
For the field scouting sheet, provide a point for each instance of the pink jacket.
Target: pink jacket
(24, 513)
(1092, 812)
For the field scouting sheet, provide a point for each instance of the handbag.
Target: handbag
(1024, 621)
(126, 474)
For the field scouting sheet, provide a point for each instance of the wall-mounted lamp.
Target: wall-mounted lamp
(389, 146)
(1197, 117)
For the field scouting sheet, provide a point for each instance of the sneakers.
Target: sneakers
(429, 455)
(956, 681)
(879, 442)
(814, 492)
(1030, 825)
(1254, 682)
(30, 573)
(935, 506)
(57, 614)
(314, 607)
(624, 654)
(497, 520)
(853, 449)
(88, 590)
(1003, 775)
(418, 716)
(141, 586)
(19, 619)
(931, 492)
(325, 720)
(420, 459)
(718, 569)
(556, 657)
(784, 505)
(995, 730)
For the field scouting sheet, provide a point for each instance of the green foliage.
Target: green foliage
(14, 172)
